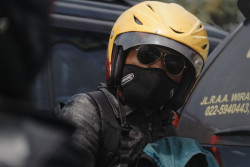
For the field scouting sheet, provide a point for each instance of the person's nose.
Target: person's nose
(159, 64)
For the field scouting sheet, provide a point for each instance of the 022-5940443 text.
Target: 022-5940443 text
(223, 109)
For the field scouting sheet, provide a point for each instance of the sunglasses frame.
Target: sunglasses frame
(164, 53)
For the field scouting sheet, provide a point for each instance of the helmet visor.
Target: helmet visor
(131, 39)
(149, 54)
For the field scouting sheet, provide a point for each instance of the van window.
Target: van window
(78, 63)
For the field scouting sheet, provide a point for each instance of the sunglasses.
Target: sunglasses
(148, 54)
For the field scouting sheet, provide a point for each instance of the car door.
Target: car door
(217, 113)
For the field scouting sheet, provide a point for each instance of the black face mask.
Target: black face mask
(146, 87)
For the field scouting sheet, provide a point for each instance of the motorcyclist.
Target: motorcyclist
(156, 52)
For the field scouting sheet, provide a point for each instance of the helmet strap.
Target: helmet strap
(125, 128)
(119, 56)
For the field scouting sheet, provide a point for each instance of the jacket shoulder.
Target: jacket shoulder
(82, 112)
(79, 104)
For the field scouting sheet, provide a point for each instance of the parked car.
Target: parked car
(217, 113)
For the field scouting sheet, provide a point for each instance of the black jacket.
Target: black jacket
(82, 110)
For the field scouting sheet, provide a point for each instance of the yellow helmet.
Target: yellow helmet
(157, 23)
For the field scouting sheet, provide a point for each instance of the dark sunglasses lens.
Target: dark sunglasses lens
(147, 54)
(174, 64)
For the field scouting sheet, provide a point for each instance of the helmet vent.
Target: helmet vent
(178, 32)
(204, 47)
(137, 21)
(150, 7)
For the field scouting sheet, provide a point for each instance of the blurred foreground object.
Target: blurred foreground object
(28, 137)
(24, 43)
